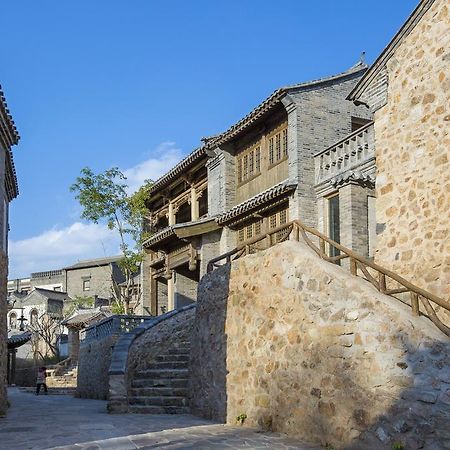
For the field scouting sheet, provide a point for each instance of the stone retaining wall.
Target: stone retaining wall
(93, 366)
(301, 346)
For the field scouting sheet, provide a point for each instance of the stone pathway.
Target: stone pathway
(64, 422)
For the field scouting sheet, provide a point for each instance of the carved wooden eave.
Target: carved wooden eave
(380, 63)
(255, 205)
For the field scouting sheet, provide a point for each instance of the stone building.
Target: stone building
(408, 90)
(8, 191)
(254, 177)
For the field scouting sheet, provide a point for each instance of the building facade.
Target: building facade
(8, 191)
(256, 176)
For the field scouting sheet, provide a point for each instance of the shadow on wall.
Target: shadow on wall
(302, 347)
(208, 362)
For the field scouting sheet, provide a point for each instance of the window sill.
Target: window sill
(271, 166)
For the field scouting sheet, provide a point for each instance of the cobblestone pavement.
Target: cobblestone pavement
(64, 422)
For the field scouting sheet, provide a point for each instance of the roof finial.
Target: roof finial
(362, 58)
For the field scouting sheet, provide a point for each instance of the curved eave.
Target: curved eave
(255, 203)
(179, 169)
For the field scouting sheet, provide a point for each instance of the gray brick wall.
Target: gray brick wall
(316, 119)
(376, 94)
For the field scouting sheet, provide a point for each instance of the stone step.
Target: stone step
(167, 365)
(144, 409)
(162, 373)
(179, 351)
(159, 392)
(174, 357)
(159, 401)
(160, 382)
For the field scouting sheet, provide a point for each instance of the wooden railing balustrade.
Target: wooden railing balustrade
(384, 280)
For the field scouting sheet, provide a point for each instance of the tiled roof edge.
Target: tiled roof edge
(259, 199)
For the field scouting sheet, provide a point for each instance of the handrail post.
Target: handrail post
(296, 231)
(353, 267)
(382, 278)
(415, 303)
(247, 249)
(322, 247)
(269, 240)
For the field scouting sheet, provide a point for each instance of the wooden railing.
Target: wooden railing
(384, 280)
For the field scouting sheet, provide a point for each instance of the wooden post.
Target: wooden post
(247, 249)
(353, 267)
(296, 232)
(415, 303)
(322, 247)
(382, 277)
(269, 240)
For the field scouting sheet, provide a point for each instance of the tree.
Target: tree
(104, 199)
(45, 333)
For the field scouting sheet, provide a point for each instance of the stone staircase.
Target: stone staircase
(67, 378)
(162, 387)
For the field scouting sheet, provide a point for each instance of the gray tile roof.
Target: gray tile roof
(275, 99)
(258, 200)
(18, 339)
(85, 316)
(94, 262)
(173, 173)
(8, 137)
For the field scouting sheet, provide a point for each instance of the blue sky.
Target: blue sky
(136, 84)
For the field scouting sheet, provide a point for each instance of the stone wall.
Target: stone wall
(301, 346)
(3, 332)
(412, 151)
(93, 367)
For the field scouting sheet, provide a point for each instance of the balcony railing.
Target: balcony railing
(355, 151)
(112, 325)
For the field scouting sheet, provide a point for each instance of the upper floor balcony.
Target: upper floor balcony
(356, 152)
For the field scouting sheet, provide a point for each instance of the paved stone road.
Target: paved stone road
(63, 422)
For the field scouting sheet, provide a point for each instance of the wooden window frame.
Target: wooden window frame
(249, 164)
(277, 148)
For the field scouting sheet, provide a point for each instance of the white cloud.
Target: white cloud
(163, 158)
(60, 247)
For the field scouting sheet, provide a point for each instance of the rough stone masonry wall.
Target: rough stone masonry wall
(301, 346)
(412, 151)
(3, 332)
(93, 366)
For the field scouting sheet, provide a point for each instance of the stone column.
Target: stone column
(194, 204)
(354, 218)
(74, 343)
(171, 292)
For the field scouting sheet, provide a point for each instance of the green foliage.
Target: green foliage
(118, 308)
(104, 199)
(241, 418)
(328, 447)
(398, 446)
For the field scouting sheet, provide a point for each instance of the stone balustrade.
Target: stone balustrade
(116, 324)
(355, 152)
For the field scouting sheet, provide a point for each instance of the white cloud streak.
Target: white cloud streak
(163, 158)
(58, 247)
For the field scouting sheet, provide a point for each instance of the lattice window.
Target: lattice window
(245, 171)
(250, 231)
(273, 221)
(271, 154)
(278, 148)
(239, 170)
(278, 145)
(285, 143)
(249, 164)
(258, 159)
(283, 217)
